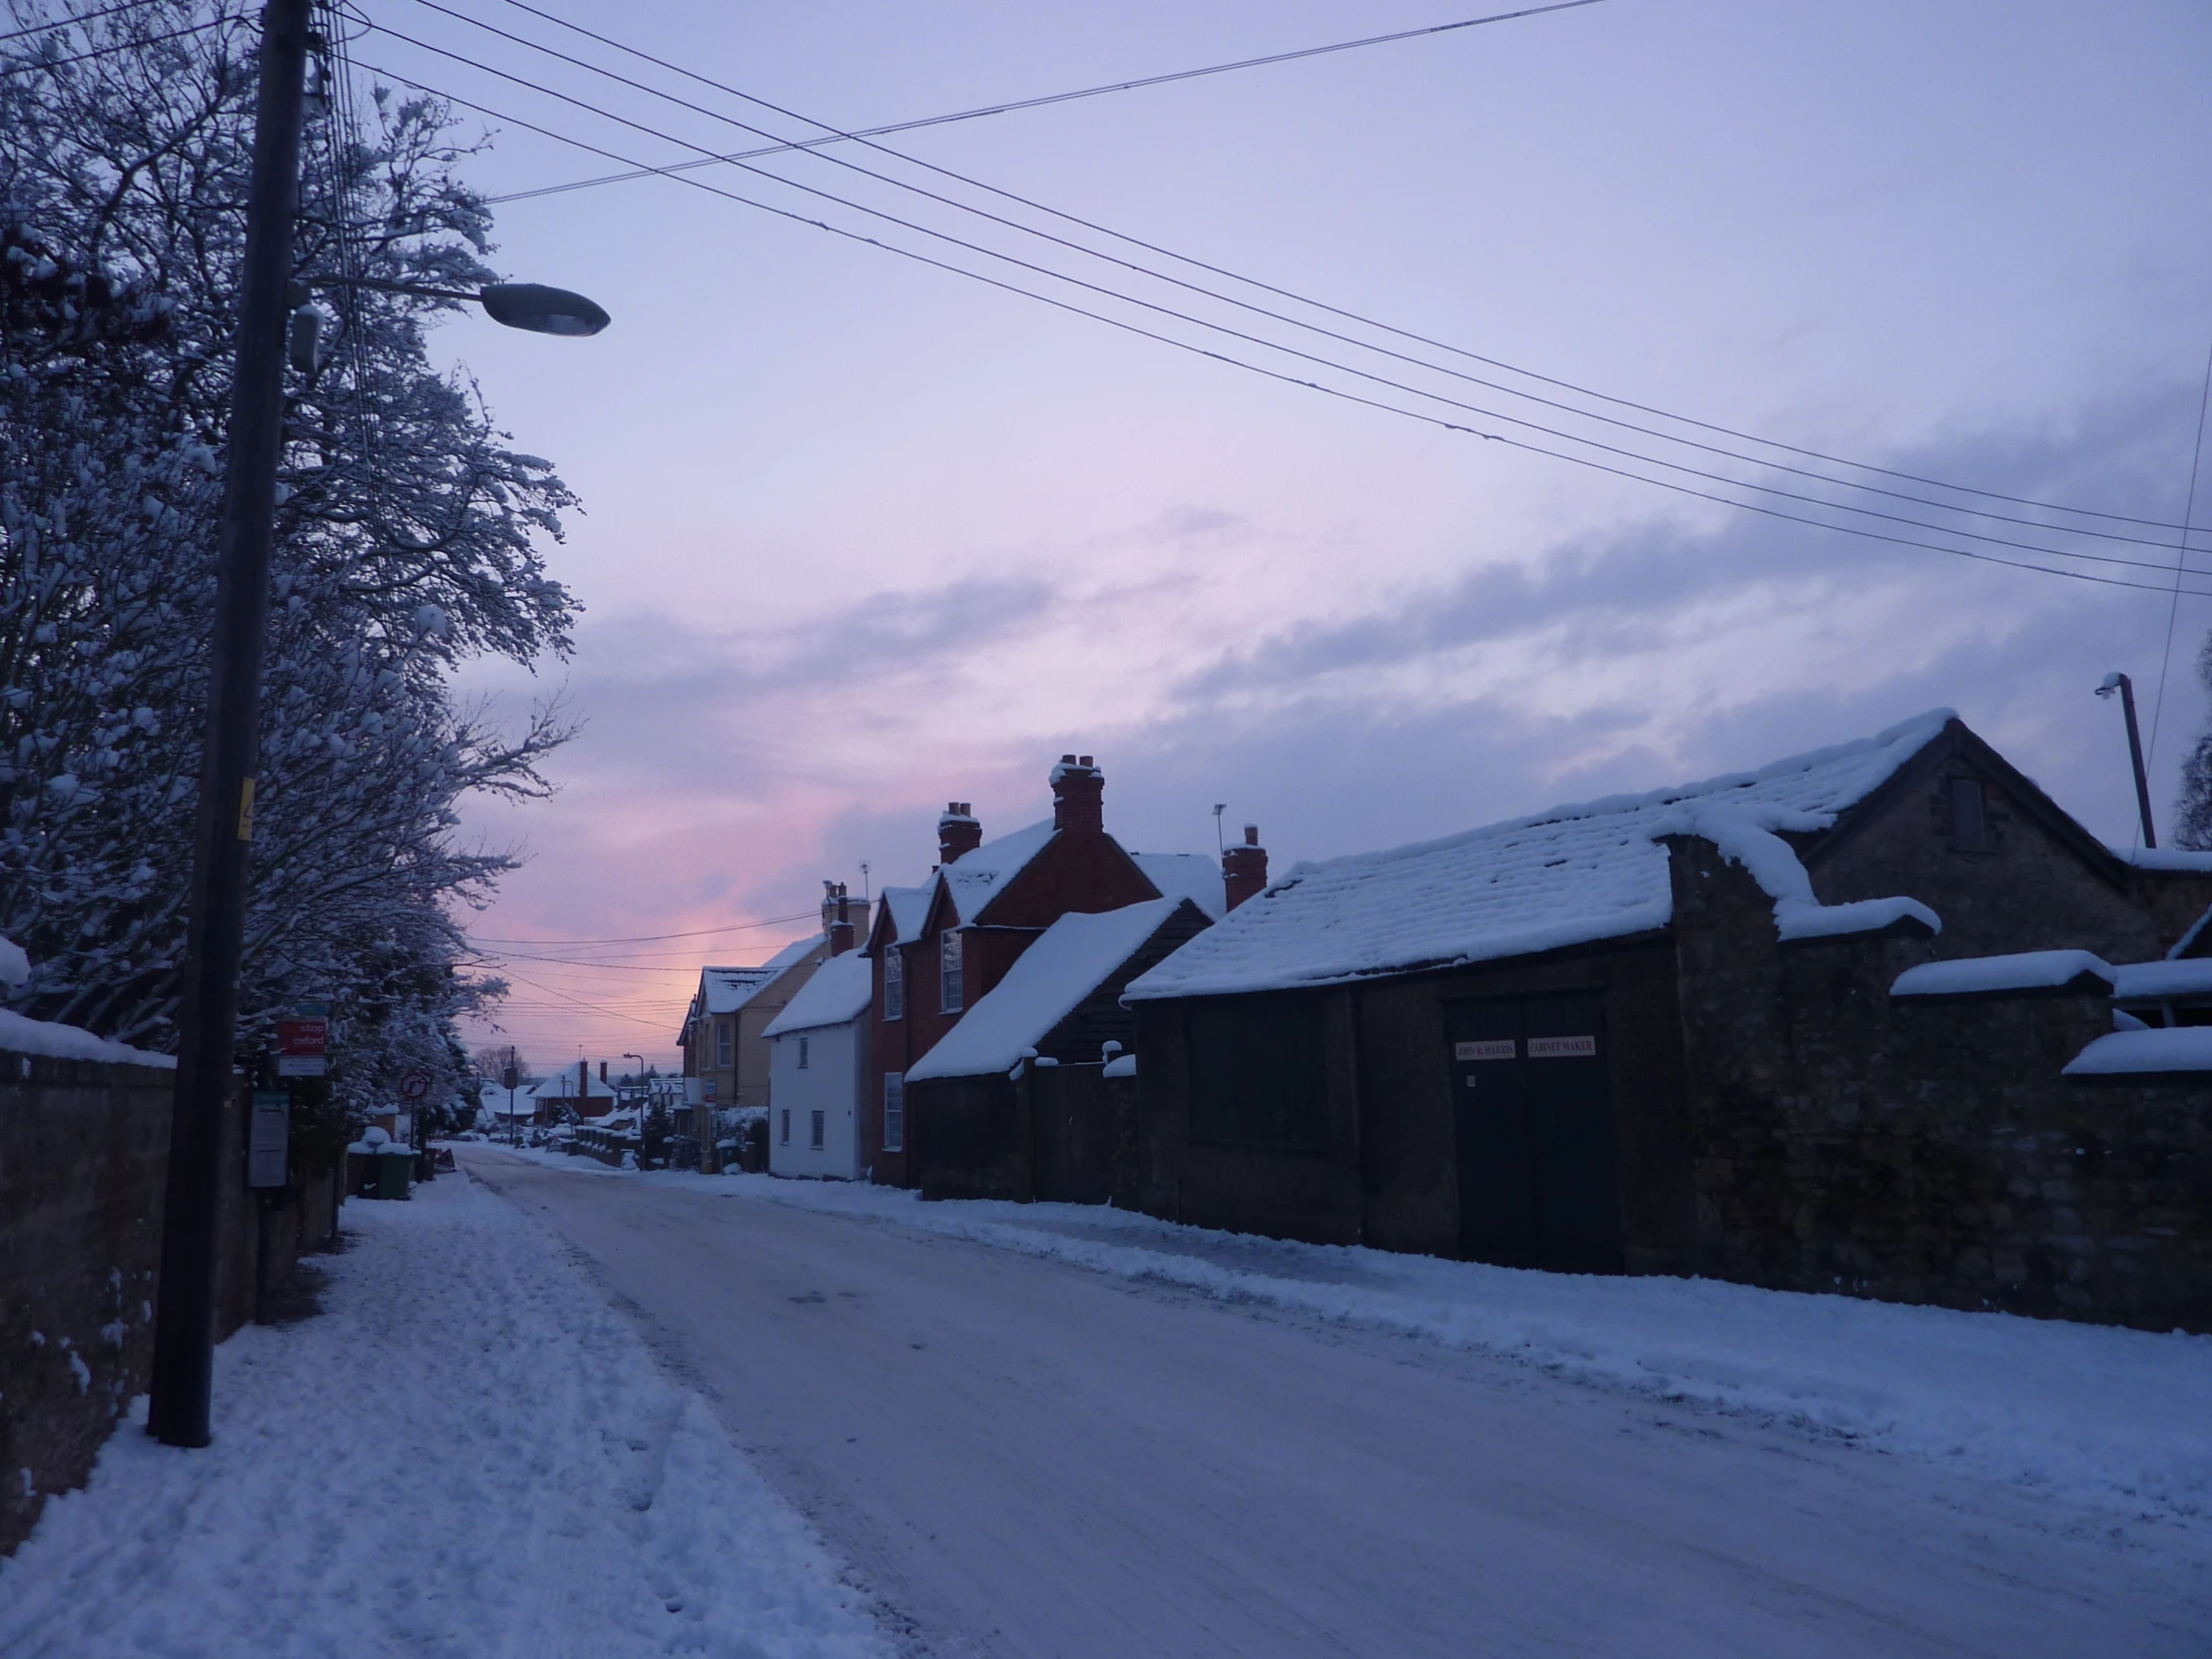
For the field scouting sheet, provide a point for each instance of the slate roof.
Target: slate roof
(1566, 877)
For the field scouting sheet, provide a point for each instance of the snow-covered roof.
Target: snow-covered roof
(910, 908)
(22, 1035)
(2162, 981)
(2167, 1049)
(1567, 877)
(979, 876)
(728, 989)
(1068, 961)
(2186, 945)
(840, 990)
(562, 1086)
(1191, 875)
(2023, 971)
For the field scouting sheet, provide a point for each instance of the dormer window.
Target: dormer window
(948, 971)
(1969, 816)
(894, 983)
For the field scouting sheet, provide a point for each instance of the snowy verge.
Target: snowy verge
(2118, 1420)
(468, 1452)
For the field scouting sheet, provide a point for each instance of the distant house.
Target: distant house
(721, 1034)
(1011, 1103)
(1676, 1033)
(939, 948)
(819, 1073)
(571, 1090)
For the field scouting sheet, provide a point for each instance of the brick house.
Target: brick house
(941, 947)
(1657, 1034)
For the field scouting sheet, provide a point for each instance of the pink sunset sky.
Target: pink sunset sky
(861, 536)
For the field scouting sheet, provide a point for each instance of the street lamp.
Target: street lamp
(532, 306)
(184, 1323)
(2121, 684)
(627, 1055)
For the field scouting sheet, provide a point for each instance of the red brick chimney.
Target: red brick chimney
(840, 927)
(1078, 796)
(1243, 869)
(603, 1071)
(957, 832)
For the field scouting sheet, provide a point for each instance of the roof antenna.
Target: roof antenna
(1220, 847)
(863, 881)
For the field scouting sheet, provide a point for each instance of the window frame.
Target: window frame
(817, 1130)
(894, 1111)
(726, 1045)
(894, 983)
(783, 1137)
(803, 1066)
(1959, 790)
(951, 972)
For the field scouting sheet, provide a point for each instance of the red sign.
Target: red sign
(415, 1085)
(309, 1035)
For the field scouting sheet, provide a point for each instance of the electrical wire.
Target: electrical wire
(1253, 339)
(1211, 293)
(68, 21)
(1040, 103)
(2181, 556)
(655, 938)
(23, 65)
(833, 134)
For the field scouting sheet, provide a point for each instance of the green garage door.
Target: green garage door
(1535, 1132)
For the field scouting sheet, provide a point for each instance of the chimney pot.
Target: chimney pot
(957, 832)
(1243, 869)
(1078, 791)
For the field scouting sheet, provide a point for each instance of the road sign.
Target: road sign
(415, 1085)
(304, 1041)
(268, 1139)
(509, 1078)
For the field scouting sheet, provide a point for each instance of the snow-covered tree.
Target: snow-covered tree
(2193, 810)
(407, 540)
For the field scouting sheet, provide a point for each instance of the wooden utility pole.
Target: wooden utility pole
(184, 1322)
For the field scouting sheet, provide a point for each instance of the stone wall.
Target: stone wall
(1925, 1152)
(84, 1151)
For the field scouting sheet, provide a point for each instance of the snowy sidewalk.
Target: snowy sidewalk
(2118, 1421)
(470, 1452)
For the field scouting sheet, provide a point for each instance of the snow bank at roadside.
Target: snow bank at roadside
(468, 1453)
(2117, 1420)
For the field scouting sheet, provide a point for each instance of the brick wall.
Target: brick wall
(83, 1153)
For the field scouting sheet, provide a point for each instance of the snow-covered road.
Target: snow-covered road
(1024, 1457)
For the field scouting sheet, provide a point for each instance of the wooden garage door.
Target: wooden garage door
(1535, 1133)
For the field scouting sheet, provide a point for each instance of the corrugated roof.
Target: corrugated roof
(1566, 877)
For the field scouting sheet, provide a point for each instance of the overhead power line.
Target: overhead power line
(835, 134)
(23, 66)
(69, 20)
(655, 938)
(1050, 98)
(1213, 293)
(1487, 414)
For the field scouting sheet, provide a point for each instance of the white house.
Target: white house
(817, 1071)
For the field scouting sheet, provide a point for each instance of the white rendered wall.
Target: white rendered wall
(830, 1085)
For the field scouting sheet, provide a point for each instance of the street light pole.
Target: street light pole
(2126, 688)
(184, 1320)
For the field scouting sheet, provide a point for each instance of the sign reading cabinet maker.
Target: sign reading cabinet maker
(1562, 1048)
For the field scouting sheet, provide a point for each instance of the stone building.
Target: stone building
(1658, 1034)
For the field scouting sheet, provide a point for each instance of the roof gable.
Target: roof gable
(1568, 876)
(981, 875)
(1067, 962)
(840, 990)
(1191, 875)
